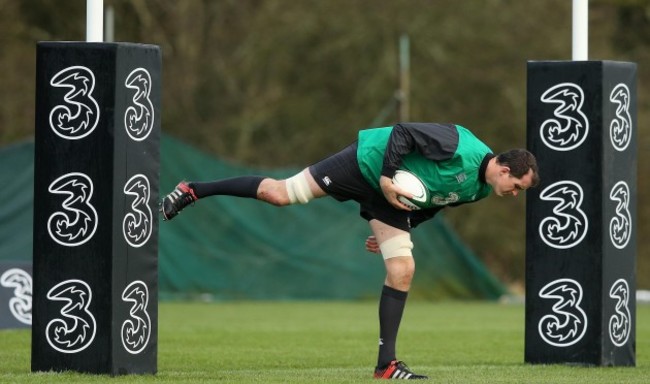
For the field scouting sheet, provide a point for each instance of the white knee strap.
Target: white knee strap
(298, 189)
(399, 245)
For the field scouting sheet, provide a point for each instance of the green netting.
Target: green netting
(17, 197)
(234, 248)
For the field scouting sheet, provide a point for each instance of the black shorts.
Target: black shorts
(340, 177)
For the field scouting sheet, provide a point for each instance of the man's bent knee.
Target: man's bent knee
(400, 245)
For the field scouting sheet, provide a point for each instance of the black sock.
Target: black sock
(243, 186)
(391, 307)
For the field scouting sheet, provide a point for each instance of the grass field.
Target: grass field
(335, 342)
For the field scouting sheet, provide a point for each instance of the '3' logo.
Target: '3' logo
(569, 126)
(620, 226)
(568, 224)
(21, 304)
(78, 116)
(620, 129)
(568, 322)
(136, 330)
(139, 116)
(75, 330)
(77, 222)
(136, 226)
(620, 323)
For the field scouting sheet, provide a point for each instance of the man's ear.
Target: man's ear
(504, 169)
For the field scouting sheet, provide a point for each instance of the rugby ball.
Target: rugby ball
(411, 183)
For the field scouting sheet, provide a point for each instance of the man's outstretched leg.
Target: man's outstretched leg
(187, 193)
(395, 246)
(300, 188)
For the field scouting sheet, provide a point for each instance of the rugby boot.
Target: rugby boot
(179, 198)
(397, 370)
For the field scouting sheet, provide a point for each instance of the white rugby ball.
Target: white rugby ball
(411, 183)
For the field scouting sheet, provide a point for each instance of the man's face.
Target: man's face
(508, 185)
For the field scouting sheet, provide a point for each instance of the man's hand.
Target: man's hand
(372, 245)
(391, 191)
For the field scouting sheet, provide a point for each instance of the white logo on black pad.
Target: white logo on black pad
(76, 221)
(75, 329)
(620, 323)
(78, 115)
(20, 305)
(620, 129)
(136, 331)
(136, 226)
(139, 116)
(567, 323)
(569, 127)
(620, 226)
(568, 224)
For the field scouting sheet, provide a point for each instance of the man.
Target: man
(455, 166)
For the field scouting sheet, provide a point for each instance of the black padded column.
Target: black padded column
(95, 192)
(581, 221)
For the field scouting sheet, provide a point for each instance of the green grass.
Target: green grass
(335, 342)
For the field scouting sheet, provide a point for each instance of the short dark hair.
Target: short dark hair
(520, 161)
